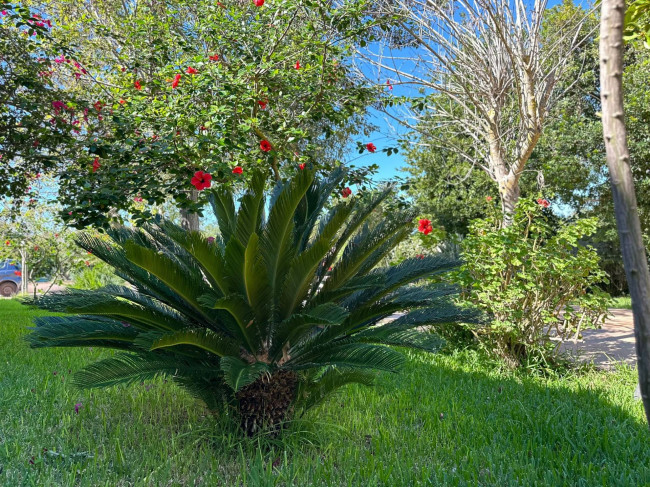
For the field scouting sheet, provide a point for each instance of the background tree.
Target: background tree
(31, 102)
(493, 71)
(198, 86)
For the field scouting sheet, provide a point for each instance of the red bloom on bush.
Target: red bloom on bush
(345, 192)
(137, 85)
(18, 273)
(301, 166)
(237, 170)
(122, 102)
(425, 226)
(262, 104)
(98, 106)
(214, 57)
(488, 198)
(7, 242)
(96, 164)
(265, 146)
(259, 3)
(177, 80)
(371, 147)
(191, 70)
(390, 86)
(297, 66)
(543, 202)
(201, 180)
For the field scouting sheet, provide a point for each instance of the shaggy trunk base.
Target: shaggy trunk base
(267, 402)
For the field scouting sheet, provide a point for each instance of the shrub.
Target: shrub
(267, 319)
(95, 276)
(536, 280)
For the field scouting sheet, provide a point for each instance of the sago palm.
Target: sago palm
(286, 305)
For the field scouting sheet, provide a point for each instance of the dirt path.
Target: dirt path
(611, 344)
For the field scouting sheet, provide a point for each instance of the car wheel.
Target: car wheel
(8, 289)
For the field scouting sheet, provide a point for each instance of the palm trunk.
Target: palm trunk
(625, 207)
(189, 220)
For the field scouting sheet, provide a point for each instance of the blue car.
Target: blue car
(10, 279)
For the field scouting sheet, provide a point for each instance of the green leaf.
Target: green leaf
(238, 374)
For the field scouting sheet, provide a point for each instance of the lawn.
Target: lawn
(445, 420)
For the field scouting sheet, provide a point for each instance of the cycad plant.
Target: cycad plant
(285, 306)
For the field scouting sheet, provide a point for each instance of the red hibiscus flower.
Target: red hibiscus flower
(96, 164)
(345, 192)
(7, 242)
(98, 106)
(137, 85)
(265, 145)
(201, 180)
(122, 102)
(544, 203)
(390, 86)
(191, 70)
(262, 104)
(425, 226)
(18, 273)
(237, 170)
(301, 166)
(371, 147)
(259, 3)
(214, 57)
(488, 198)
(177, 80)
(297, 66)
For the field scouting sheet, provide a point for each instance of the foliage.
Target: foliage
(255, 320)
(637, 22)
(31, 141)
(95, 276)
(226, 89)
(539, 284)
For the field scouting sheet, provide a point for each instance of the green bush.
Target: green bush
(535, 279)
(95, 276)
(268, 318)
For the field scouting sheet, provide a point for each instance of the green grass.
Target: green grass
(445, 420)
(622, 302)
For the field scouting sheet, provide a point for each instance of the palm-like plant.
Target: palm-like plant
(268, 318)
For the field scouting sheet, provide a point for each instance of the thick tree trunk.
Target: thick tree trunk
(190, 221)
(618, 161)
(509, 193)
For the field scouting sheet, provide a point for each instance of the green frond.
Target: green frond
(402, 338)
(102, 303)
(80, 331)
(210, 390)
(238, 374)
(202, 338)
(131, 368)
(276, 239)
(314, 392)
(223, 206)
(238, 307)
(435, 316)
(207, 255)
(256, 282)
(353, 355)
(251, 208)
(297, 325)
(303, 267)
(187, 287)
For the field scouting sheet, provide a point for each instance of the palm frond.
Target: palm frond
(238, 374)
(314, 392)
(202, 338)
(353, 355)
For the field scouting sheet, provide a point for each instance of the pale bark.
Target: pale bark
(496, 70)
(189, 220)
(625, 206)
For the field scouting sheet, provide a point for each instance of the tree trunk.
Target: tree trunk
(625, 208)
(190, 221)
(509, 193)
